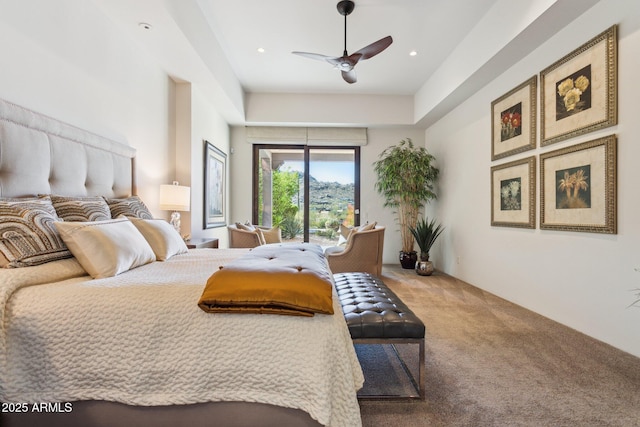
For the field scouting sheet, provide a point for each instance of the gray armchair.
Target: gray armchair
(363, 252)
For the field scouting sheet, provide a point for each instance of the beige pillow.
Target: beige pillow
(345, 231)
(364, 227)
(368, 226)
(245, 227)
(251, 228)
(161, 236)
(272, 235)
(106, 248)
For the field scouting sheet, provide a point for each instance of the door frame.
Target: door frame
(306, 149)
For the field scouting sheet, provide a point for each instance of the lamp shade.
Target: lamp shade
(175, 197)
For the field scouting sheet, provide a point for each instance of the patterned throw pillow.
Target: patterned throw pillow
(27, 232)
(81, 208)
(131, 206)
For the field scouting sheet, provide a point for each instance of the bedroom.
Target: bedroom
(59, 62)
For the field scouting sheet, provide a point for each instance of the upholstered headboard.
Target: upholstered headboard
(41, 155)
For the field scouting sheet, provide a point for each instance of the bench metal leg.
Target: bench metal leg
(419, 384)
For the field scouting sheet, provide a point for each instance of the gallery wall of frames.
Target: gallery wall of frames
(577, 183)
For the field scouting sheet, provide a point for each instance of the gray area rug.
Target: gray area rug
(493, 363)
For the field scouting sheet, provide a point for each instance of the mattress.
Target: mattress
(140, 338)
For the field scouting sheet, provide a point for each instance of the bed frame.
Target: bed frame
(41, 155)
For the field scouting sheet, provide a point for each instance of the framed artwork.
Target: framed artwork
(513, 120)
(215, 164)
(578, 187)
(579, 92)
(513, 194)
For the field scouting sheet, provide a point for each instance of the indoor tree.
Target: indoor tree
(405, 178)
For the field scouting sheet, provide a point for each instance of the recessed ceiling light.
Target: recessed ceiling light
(413, 53)
(145, 25)
(260, 50)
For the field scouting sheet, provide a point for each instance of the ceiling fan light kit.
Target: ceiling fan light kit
(346, 62)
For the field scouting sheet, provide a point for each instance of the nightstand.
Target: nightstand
(207, 242)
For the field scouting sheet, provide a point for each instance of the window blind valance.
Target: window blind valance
(314, 136)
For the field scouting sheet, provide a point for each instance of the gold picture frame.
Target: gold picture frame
(578, 187)
(513, 120)
(579, 92)
(513, 194)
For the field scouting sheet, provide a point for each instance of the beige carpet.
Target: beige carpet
(492, 363)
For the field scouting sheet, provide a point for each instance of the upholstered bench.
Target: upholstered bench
(375, 315)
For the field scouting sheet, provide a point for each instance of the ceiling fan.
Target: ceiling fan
(346, 62)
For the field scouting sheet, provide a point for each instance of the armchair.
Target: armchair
(363, 252)
(252, 236)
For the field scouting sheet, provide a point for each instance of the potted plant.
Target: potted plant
(425, 232)
(406, 178)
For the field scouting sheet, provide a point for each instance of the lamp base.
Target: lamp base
(175, 221)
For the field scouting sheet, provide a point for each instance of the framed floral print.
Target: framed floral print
(513, 120)
(578, 187)
(579, 92)
(215, 163)
(513, 194)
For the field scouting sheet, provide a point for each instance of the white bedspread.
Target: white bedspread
(141, 339)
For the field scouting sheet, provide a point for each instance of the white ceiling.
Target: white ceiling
(433, 28)
(462, 45)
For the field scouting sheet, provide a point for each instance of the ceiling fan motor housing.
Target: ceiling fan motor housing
(346, 62)
(345, 7)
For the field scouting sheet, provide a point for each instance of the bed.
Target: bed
(135, 348)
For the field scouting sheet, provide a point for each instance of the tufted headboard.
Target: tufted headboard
(41, 155)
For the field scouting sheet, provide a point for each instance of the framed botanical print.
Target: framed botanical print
(513, 194)
(579, 92)
(513, 120)
(215, 163)
(578, 187)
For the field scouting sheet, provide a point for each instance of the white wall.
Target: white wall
(371, 204)
(67, 60)
(240, 167)
(582, 280)
(197, 121)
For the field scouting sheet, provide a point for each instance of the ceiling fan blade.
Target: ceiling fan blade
(375, 48)
(317, 56)
(346, 62)
(349, 76)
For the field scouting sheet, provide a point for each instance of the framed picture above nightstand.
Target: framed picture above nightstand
(207, 242)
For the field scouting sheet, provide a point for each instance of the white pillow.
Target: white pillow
(106, 248)
(163, 238)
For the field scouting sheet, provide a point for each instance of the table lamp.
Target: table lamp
(175, 198)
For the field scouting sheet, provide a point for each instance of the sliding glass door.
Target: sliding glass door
(309, 192)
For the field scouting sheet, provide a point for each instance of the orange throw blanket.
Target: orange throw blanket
(291, 278)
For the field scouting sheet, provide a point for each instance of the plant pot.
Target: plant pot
(424, 268)
(408, 259)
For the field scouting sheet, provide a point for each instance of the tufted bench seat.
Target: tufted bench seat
(375, 315)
